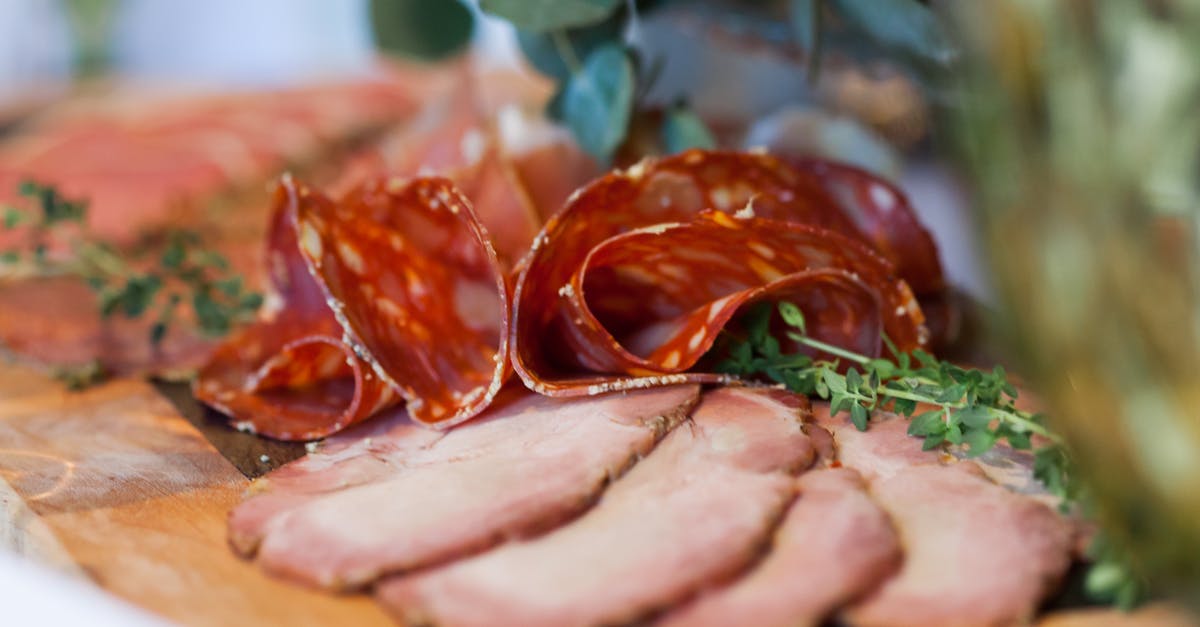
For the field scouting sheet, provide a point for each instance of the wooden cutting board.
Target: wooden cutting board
(114, 486)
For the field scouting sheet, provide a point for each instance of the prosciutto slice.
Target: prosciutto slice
(530, 463)
(834, 545)
(695, 511)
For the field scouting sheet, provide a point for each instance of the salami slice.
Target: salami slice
(290, 376)
(882, 214)
(413, 279)
(629, 285)
(396, 291)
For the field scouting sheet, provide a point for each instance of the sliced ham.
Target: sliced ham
(975, 553)
(834, 545)
(528, 464)
(695, 511)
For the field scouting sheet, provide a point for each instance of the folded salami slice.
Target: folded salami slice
(882, 215)
(290, 376)
(628, 286)
(413, 279)
(633, 280)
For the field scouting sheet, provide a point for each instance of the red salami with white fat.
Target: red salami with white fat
(628, 286)
(635, 278)
(418, 290)
(290, 376)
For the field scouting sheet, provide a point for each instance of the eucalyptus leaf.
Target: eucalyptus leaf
(683, 129)
(598, 101)
(546, 55)
(904, 25)
(548, 15)
(425, 29)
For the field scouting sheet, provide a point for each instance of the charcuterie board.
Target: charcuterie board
(113, 485)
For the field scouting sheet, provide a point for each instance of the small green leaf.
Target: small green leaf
(10, 257)
(858, 415)
(833, 381)
(548, 15)
(421, 28)
(683, 129)
(907, 26)
(157, 333)
(251, 302)
(954, 434)
(952, 394)
(792, 315)
(174, 255)
(546, 53)
(926, 424)
(933, 442)
(1019, 441)
(598, 101)
(973, 417)
(904, 406)
(854, 380)
(979, 441)
(13, 217)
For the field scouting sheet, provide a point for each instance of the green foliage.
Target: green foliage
(554, 53)
(183, 271)
(597, 102)
(903, 26)
(549, 15)
(683, 129)
(425, 29)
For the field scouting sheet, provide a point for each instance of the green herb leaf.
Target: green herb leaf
(792, 315)
(683, 129)
(598, 101)
(858, 416)
(13, 217)
(548, 15)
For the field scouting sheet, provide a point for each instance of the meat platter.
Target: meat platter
(512, 370)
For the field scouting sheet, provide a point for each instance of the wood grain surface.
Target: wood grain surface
(113, 485)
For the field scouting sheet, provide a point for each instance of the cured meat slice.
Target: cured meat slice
(834, 545)
(649, 204)
(881, 214)
(972, 549)
(696, 510)
(879, 452)
(665, 310)
(528, 464)
(413, 279)
(365, 453)
(289, 375)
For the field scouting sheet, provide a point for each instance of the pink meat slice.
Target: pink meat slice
(530, 463)
(834, 545)
(975, 552)
(368, 452)
(695, 511)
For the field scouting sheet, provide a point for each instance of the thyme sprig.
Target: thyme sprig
(946, 404)
(57, 243)
(960, 406)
